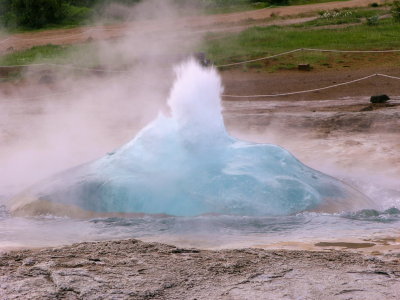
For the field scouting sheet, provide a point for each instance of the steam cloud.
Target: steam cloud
(87, 114)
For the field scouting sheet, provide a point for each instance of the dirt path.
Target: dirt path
(192, 24)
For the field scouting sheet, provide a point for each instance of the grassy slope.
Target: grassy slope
(261, 41)
(78, 54)
(226, 8)
(80, 16)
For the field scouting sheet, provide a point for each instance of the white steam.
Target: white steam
(53, 119)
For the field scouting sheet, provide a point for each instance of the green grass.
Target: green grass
(75, 16)
(35, 54)
(254, 43)
(245, 6)
(262, 41)
(305, 2)
(79, 54)
(224, 9)
(352, 16)
(15, 30)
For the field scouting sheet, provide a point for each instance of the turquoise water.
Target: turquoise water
(223, 192)
(211, 232)
(187, 164)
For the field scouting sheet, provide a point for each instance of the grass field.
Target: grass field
(345, 16)
(262, 41)
(244, 5)
(81, 15)
(78, 54)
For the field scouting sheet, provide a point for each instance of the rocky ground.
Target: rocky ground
(131, 269)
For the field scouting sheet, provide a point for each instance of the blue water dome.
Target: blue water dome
(188, 165)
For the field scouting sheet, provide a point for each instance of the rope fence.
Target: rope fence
(258, 59)
(71, 66)
(309, 50)
(313, 90)
(349, 51)
(245, 96)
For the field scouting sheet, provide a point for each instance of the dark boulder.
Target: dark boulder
(202, 59)
(304, 67)
(379, 98)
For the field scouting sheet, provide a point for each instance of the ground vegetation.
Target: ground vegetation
(37, 14)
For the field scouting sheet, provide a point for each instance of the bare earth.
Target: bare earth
(131, 269)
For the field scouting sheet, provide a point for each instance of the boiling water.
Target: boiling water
(208, 189)
(209, 232)
(188, 165)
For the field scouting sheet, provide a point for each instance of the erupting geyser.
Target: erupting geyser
(188, 165)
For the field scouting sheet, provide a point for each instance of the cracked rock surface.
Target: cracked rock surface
(131, 269)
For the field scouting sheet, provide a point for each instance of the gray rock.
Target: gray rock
(131, 269)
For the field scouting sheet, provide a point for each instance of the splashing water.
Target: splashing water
(187, 165)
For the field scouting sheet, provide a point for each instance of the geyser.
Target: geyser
(187, 165)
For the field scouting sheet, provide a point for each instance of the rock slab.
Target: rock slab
(131, 269)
